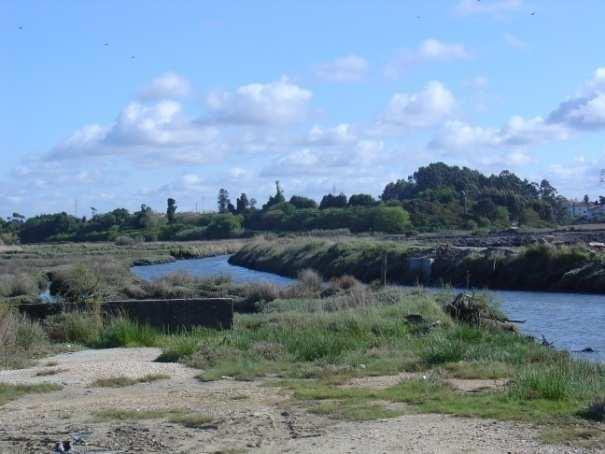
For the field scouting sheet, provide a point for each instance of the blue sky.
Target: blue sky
(115, 103)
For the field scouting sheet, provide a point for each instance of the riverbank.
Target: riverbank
(359, 356)
(178, 413)
(100, 270)
(542, 267)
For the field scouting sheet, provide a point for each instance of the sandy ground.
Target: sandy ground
(248, 417)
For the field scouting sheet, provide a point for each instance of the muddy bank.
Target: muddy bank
(540, 267)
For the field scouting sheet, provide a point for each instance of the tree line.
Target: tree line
(434, 197)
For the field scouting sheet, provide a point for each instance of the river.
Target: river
(571, 321)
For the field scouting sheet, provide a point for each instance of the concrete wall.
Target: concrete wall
(422, 267)
(163, 314)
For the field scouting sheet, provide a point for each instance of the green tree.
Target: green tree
(171, 210)
(223, 201)
(302, 203)
(333, 201)
(361, 200)
(390, 219)
(275, 199)
(223, 226)
(242, 203)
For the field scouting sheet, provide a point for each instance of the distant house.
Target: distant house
(579, 209)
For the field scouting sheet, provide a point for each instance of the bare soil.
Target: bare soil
(246, 416)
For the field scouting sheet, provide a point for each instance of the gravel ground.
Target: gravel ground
(247, 416)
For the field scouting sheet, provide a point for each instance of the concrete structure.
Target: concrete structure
(422, 267)
(167, 315)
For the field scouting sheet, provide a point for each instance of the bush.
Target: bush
(310, 282)
(77, 284)
(13, 285)
(20, 338)
(595, 411)
(125, 240)
(79, 327)
(122, 332)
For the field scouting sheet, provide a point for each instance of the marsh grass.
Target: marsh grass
(122, 381)
(49, 372)
(117, 414)
(193, 421)
(21, 340)
(10, 392)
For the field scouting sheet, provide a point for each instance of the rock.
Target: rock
(467, 310)
(415, 319)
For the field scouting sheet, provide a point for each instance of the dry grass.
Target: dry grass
(121, 381)
(49, 372)
(20, 339)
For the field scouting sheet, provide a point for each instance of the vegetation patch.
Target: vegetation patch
(49, 372)
(115, 414)
(121, 381)
(10, 392)
(193, 421)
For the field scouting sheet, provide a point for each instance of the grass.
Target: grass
(116, 414)
(122, 381)
(193, 421)
(49, 372)
(179, 416)
(10, 392)
(355, 410)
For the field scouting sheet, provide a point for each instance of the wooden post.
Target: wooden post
(384, 270)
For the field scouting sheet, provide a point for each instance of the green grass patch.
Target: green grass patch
(116, 414)
(10, 392)
(355, 410)
(479, 370)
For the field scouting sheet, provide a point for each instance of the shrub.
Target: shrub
(79, 327)
(595, 411)
(310, 281)
(20, 338)
(125, 240)
(209, 355)
(122, 332)
(13, 285)
(345, 282)
(78, 283)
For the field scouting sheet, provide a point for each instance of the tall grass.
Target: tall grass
(20, 339)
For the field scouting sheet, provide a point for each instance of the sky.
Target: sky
(110, 104)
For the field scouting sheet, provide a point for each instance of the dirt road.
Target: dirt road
(246, 416)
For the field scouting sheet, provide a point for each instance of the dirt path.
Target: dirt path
(247, 417)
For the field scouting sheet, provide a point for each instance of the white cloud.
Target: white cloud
(418, 110)
(147, 133)
(430, 50)
(349, 68)
(340, 134)
(514, 41)
(585, 110)
(433, 49)
(517, 132)
(477, 83)
(167, 86)
(491, 7)
(273, 103)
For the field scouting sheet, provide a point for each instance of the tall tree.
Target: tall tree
(171, 210)
(223, 201)
(277, 198)
(242, 203)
